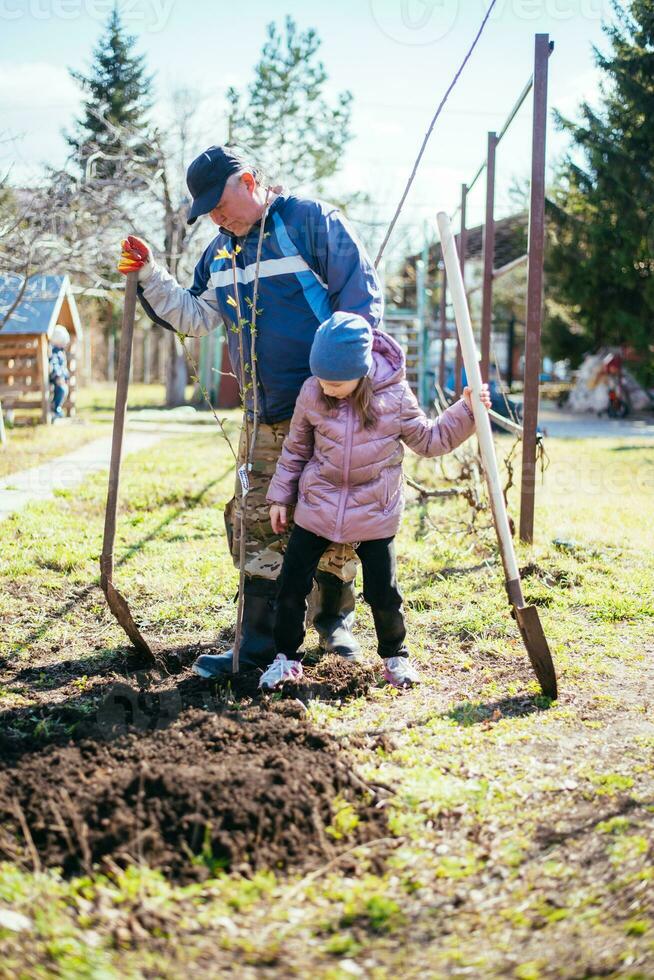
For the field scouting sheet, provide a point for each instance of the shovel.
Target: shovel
(525, 616)
(117, 602)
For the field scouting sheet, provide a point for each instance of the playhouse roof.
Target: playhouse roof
(40, 305)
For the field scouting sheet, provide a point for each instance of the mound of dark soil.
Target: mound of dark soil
(331, 678)
(336, 679)
(235, 791)
(110, 704)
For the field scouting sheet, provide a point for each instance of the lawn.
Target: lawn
(30, 443)
(99, 398)
(466, 828)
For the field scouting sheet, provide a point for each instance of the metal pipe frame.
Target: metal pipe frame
(488, 254)
(463, 241)
(509, 119)
(502, 271)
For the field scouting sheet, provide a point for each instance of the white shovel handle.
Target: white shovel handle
(473, 373)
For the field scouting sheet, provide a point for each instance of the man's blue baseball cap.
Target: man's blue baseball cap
(206, 178)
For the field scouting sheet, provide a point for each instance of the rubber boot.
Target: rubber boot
(334, 616)
(257, 644)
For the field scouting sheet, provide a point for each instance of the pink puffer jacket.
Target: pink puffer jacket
(346, 480)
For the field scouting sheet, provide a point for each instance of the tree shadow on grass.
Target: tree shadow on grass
(122, 659)
(452, 571)
(82, 595)
(110, 706)
(622, 449)
(114, 699)
(474, 713)
(548, 836)
(477, 712)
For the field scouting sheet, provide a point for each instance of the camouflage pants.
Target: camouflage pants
(264, 550)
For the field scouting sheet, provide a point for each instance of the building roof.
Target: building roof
(510, 243)
(40, 305)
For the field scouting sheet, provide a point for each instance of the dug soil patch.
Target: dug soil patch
(331, 678)
(336, 679)
(234, 791)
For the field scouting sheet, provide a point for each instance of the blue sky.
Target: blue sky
(396, 56)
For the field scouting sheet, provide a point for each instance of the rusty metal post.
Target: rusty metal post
(536, 248)
(463, 242)
(488, 254)
(442, 315)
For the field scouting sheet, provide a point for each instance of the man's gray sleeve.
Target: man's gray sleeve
(192, 312)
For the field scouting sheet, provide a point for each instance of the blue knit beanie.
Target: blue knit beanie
(342, 348)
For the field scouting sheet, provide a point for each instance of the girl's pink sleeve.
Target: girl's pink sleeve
(434, 437)
(296, 453)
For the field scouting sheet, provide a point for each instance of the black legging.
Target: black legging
(379, 590)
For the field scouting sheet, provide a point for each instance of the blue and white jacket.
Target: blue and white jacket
(58, 366)
(312, 265)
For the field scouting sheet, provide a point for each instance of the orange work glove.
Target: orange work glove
(136, 257)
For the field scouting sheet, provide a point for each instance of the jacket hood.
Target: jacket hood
(388, 359)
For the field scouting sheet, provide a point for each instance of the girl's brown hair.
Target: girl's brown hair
(362, 399)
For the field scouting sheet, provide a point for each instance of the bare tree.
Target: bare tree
(150, 199)
(73, 223)
(60, 226)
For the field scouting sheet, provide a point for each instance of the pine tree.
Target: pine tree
(118, 91)
(285, 114)
(600, 262)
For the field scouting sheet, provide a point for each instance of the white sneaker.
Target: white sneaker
(400, 672)
(281, 671)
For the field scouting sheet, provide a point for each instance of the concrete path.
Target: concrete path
(40, 483)
(562, 424)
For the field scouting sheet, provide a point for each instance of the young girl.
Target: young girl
(341, 466)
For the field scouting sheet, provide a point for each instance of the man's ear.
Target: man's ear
(248, 179)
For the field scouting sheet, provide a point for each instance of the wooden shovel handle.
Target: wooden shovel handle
(482, 420)
(122, 385)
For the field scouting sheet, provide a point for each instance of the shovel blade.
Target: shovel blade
(539, 653)
(118, 605)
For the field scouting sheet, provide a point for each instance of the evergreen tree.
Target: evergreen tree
(118, 91)
(285, 114)
(599, 262)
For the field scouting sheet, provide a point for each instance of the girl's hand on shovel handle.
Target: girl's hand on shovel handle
(136, 256)
(484, 396)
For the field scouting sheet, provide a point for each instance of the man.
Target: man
(311, 266)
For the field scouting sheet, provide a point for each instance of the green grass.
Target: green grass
(100, 397)
(30, 443)
(525, 828)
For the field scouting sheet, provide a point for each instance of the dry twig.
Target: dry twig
(29, 840)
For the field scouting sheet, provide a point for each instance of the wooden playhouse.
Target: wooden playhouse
(24, 339)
